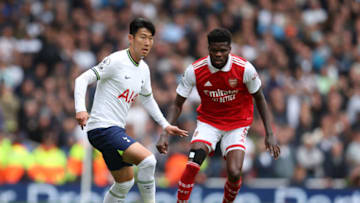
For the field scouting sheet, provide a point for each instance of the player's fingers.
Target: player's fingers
(267, 147)
(277, 149)
(181, 133)
(275, 152)
(163, 150)
(271, 151)
(83, 121)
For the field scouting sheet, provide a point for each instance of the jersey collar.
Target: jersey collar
(226, 68)
(131, 59)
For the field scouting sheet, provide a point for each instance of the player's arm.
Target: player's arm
(175, 111)
(98, 72)
(270, 139)
(183, 91)
(81, 84)
(153, 109)
(253, 83)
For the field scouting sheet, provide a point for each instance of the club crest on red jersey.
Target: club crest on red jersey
(233, 82)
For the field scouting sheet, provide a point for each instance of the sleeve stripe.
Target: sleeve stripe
(146, 95)
(96, 73)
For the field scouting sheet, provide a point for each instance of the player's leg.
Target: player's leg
(197, 155)
(112, 142)
(203, 142)
(137, 154)
(233, 148)
(234, 162)
(120, 152)
(124, 180)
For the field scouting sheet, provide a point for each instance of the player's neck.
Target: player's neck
(136, 59)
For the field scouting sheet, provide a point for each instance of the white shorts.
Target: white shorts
(230, 140)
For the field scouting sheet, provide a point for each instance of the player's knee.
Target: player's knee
(146, 168)
(234, 172)
(197, 155)
(121, 189)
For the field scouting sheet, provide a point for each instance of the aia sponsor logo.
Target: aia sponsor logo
(127, 96)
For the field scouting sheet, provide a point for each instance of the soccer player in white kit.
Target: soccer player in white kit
(122, 77)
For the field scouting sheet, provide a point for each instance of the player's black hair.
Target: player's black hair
(219, 35)
(138, 23)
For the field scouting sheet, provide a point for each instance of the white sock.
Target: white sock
(146, 180)
(118, 192)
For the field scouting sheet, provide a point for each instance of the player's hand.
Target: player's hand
(82, 118)
(162, 144)
(174, 130)
(272, 146)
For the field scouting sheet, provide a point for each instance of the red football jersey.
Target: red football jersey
(226, 102)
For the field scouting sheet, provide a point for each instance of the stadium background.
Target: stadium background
(306, 52)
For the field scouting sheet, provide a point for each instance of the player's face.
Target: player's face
(219, 53)
(141, 42)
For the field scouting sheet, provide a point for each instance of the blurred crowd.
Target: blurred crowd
(307, 53)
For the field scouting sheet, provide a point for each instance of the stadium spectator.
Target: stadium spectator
(49, 162)
(310, 157)
(18, 160)
(5, 148)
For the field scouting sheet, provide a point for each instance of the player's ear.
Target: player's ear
(130, 38)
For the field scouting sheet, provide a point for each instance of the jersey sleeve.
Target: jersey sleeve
(187, 82)
(80, 88)
(146, 89)
(251, 78)
(104, 69)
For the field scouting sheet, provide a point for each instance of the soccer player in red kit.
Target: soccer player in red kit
(227, 85)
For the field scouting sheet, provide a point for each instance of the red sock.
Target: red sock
(186, 182)
(231, 190)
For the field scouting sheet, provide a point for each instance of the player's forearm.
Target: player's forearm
(176, 109)
(80, 88)
(153, 109)
(174, 113)
(263, 111)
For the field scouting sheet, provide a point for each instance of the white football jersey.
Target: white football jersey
(120, 81)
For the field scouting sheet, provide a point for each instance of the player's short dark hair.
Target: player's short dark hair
(138, 23)
(219, 35)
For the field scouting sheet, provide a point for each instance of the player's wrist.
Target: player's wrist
(269, 134)
(164, 125)
(164, 135)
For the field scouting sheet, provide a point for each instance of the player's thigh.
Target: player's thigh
(207, 135)
(135, 153)
(112, 142)
(234, 140)
(124, 174)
